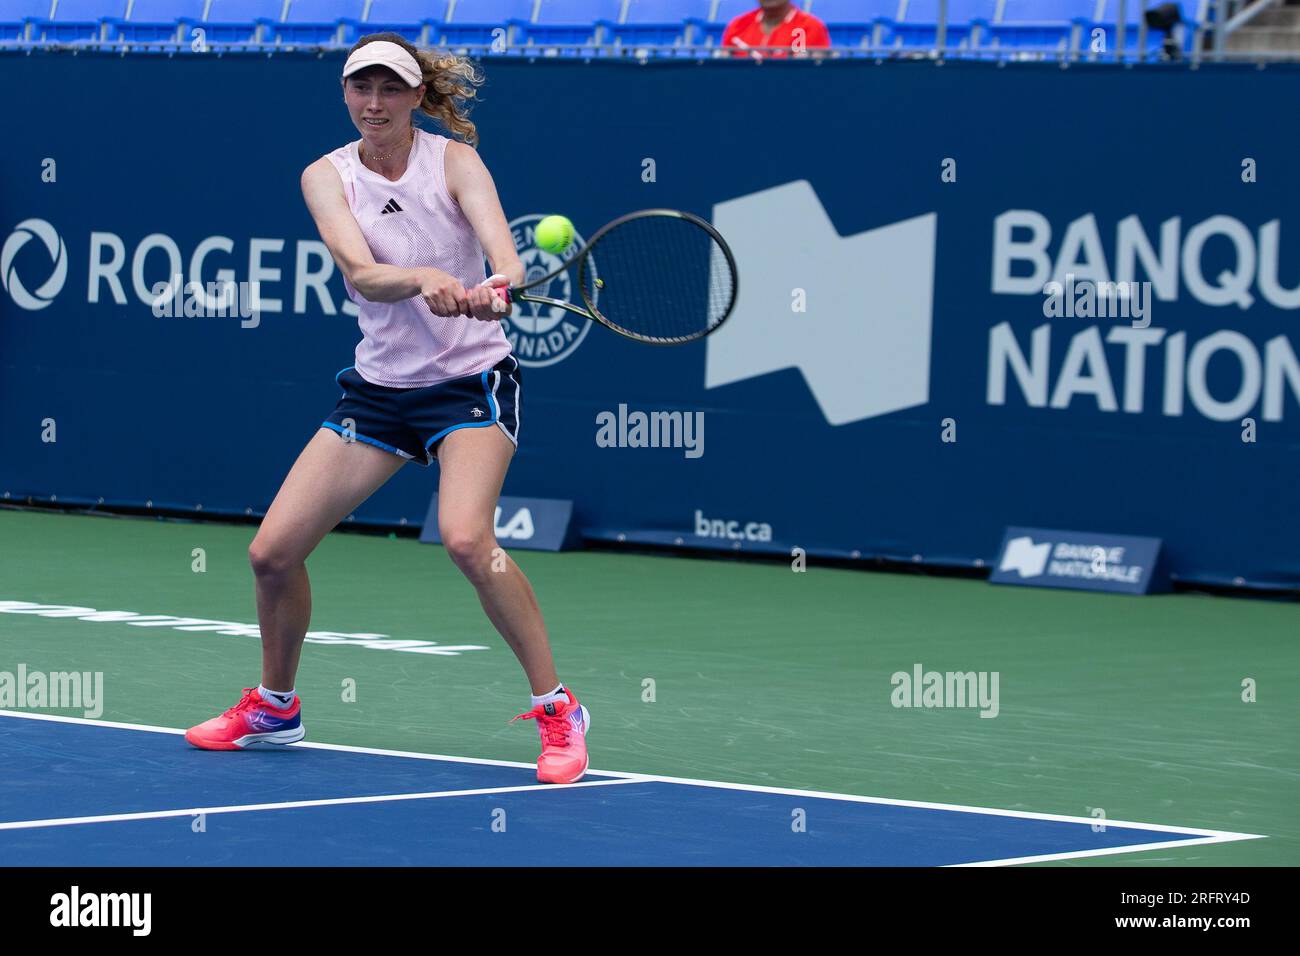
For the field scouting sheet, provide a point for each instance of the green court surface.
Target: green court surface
(760, 675)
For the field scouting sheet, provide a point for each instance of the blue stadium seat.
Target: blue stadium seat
(1108, 11)
(659, 22)
(852, 23)
(577, 12)
(1047, 11)
(665, 11)
(18, 16)
(474, 21)
(919, 27)
(79, 21)
(158, 23)
(241, 22)
(320, 22)
(571, 22)
(728, 10)
(1044, 26)
(416, 20)
(1195, 12)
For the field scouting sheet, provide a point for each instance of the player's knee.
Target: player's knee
(469, 547)
(267, 560)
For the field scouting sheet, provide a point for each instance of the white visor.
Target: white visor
(388, 54)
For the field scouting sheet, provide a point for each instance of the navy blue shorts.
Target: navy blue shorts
(410, 422)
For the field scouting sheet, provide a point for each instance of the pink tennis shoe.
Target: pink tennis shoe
(563, 729)
(251, 721)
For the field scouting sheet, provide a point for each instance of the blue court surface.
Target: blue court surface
(89, 793)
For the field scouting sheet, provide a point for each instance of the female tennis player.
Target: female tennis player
(408, 215)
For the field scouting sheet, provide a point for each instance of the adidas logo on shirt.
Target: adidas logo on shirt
(391, 206)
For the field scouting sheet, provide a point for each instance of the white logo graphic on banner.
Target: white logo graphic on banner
(1110, 366)
(23, 233)
(1025, 557)
(518, 528)
(863, 343)
(542, 334)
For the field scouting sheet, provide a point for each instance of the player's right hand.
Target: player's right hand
(444, 293)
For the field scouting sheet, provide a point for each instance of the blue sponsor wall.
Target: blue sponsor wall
(884, 306)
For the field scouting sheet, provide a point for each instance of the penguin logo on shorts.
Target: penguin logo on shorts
(543, 334)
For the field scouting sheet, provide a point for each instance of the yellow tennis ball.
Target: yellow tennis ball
(554, 234)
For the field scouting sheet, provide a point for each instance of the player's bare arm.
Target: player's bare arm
(471, 185)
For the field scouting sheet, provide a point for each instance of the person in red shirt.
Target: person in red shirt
(776, 23)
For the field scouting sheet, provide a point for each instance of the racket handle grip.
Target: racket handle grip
(505, 291)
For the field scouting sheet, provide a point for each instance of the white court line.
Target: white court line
(30, 715)
(1218, 835)
(296, 804)
(1105, 851)
(1200, 836)
(312, 745)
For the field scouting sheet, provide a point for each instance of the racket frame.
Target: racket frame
(581, 257)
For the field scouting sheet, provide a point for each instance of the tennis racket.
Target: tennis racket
(658, 275)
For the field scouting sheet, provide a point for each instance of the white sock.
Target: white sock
(279, 699)
(556, 695)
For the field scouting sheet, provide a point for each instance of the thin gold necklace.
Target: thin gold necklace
(380, 159)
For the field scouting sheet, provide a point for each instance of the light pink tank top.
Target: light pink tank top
(415, 222)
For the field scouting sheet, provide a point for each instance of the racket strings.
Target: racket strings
(659, 277)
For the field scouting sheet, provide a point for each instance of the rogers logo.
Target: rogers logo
(23, 233)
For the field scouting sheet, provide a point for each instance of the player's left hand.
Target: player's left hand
(487, 302)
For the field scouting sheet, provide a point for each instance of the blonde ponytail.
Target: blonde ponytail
(451, 85)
